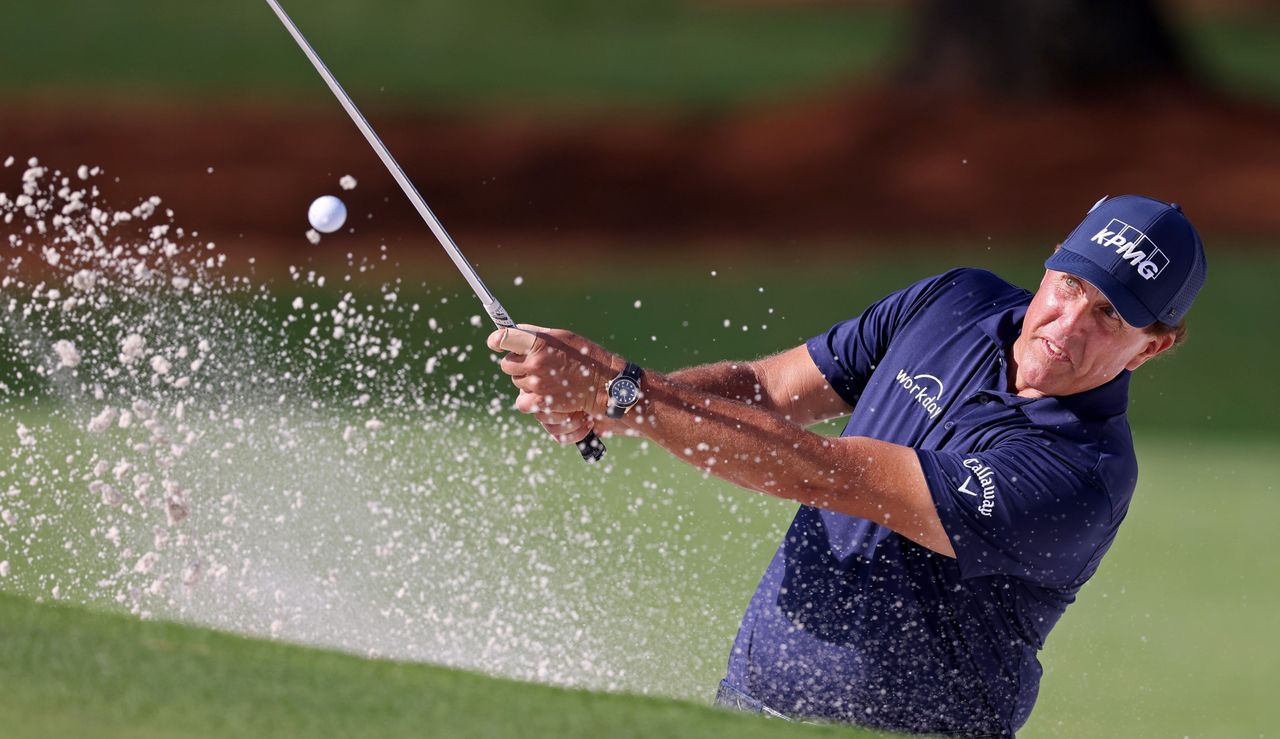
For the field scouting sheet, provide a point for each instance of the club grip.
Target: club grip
(591, 448)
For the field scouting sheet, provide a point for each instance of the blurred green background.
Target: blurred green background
(1170, 639)
(550, 55)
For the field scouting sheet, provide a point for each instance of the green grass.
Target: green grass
(70, 672)
(547, 56)
(515, 557)
(1172, 637)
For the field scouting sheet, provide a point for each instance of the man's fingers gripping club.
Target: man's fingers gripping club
(523, 339)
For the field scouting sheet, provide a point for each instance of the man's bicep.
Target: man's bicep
(793, 386)
(892, 490)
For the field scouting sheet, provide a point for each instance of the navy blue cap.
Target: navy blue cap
(1143, 254)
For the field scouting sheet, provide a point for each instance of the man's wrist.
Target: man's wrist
(615, 364)
(639, 418)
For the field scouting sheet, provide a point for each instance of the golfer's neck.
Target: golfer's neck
(1016, 383)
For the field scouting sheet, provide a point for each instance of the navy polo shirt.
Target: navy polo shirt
(855, 623)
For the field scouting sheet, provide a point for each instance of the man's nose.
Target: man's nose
(1072, 314)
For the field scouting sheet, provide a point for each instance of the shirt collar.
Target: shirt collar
(1110, 399)
(1004, 326)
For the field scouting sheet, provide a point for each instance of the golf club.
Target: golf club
(591, 447)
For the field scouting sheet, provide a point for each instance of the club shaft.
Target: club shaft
(491, 304)
(590, 447)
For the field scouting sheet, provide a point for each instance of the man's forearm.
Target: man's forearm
(732, 380)
(747, 445)
(787, 383)
(761, 450)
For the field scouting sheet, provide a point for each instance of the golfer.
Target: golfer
(985, 468)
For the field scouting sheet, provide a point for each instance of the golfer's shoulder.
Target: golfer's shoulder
(968, 289)
(1115, 460)
(1099, 451)
(977, 282)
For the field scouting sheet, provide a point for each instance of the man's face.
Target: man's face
(1074, 340)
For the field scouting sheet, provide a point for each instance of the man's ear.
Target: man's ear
(1157, 344)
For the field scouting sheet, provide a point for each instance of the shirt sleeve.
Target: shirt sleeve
(1018, 510)
(849, 351)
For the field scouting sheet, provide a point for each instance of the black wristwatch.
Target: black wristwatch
(623, 391)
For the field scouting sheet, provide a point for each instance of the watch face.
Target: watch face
(624, 392)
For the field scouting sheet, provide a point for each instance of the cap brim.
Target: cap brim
(1131, 309)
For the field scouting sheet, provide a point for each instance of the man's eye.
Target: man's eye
(1110, 312)
(1070, 281)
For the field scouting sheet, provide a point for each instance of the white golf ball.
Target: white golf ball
(327, 214)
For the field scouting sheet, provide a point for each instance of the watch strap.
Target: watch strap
(632, 371)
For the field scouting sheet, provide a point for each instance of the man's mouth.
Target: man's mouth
(1055, 351)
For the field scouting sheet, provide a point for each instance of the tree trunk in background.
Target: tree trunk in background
(1034, 48)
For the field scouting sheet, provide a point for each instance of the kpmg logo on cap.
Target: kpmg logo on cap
(1134, 247)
